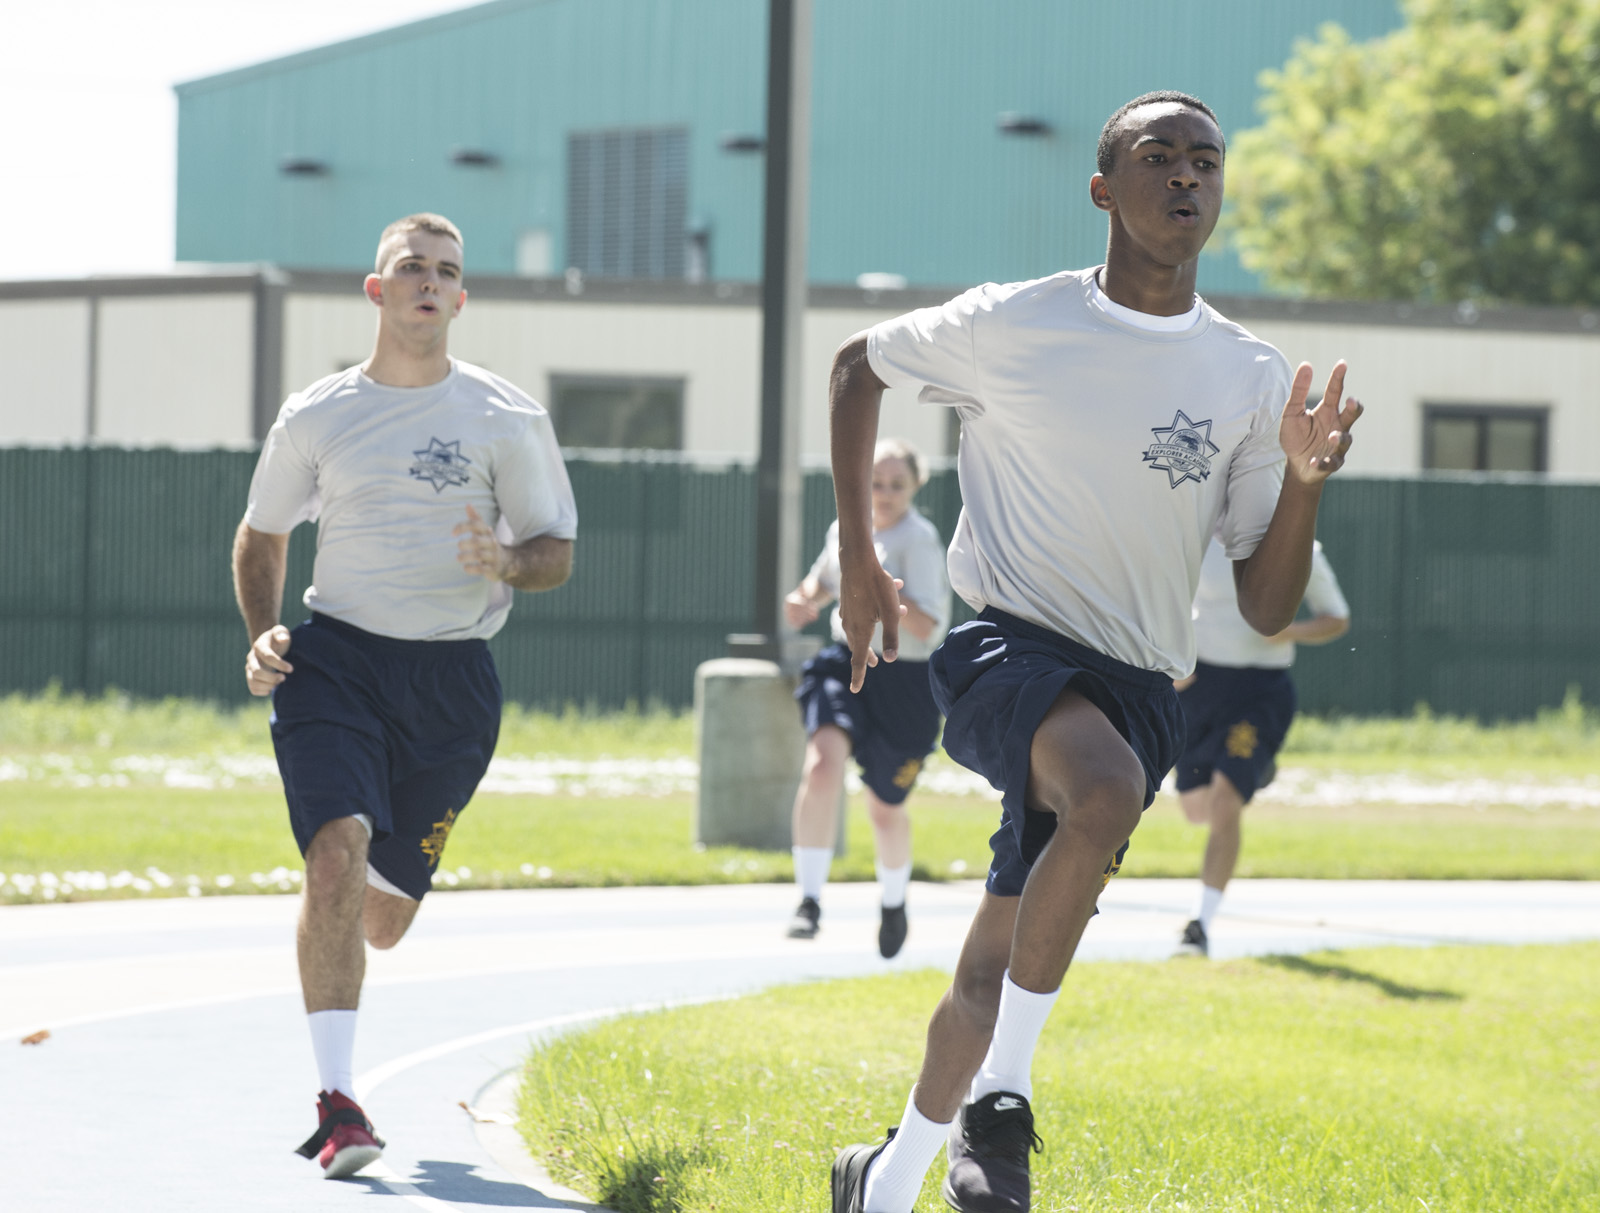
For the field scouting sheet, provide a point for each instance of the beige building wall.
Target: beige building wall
(176, 370)
(1396, 371)
(924, 426)
(714, 350)
(323, 334)
(44, 391)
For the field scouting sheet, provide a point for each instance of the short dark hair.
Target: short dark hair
(1105, 156)
(423, 221)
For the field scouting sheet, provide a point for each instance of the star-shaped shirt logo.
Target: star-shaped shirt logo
(441, 464)
(1183, 449)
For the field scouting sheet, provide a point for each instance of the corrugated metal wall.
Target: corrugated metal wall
(909, 173)
(1475, 597)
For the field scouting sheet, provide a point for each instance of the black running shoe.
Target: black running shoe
(1193, 941)
(989, 1146)
(850, 1175)
(806, 916)
(892, 932)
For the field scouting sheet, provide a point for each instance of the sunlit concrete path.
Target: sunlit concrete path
(178, 1074)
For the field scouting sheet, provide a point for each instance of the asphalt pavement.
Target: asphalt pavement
(178, 1075)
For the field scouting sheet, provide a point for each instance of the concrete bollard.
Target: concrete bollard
(750, 744)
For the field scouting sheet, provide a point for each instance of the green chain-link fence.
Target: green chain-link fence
(1475, 597)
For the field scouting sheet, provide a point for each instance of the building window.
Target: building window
(1484, 438)
(627, 203)
(617, 413)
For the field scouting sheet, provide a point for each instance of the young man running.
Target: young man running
(1237, 707)
(438, 488)
(1111, 423)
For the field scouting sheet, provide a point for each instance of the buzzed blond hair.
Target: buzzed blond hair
(423, 221)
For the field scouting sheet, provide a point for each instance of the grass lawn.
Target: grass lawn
(104, 798)
(85, 836)
(1404, 1080)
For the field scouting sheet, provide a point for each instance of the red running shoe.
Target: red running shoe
(344, 1142)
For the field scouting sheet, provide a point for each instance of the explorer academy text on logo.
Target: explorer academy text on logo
(1182, 450)
(441, 464)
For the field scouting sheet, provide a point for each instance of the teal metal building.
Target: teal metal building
(952, 140)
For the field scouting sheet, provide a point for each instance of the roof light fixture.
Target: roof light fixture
(1022, 124)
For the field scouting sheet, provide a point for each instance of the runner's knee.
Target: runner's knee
(337, 855)
(385, 918)
(882, 814)
(1105, 812)
(826, 754)
(384, 935)
(1195, 807)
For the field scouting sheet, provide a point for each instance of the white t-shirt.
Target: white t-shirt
(1222, 637)
(912, 551)
(1097, 457)
(388, 472)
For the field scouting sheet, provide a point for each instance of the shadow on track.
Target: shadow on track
(459, 1183)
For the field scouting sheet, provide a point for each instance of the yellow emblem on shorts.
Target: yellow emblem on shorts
(1112, 869)
(907, 774)
(1242, 740)
(433, 844)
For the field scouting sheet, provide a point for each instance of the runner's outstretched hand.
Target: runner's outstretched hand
(868, 596)
(1316, 439)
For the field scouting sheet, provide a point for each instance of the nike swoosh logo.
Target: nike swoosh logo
(1006, 1104)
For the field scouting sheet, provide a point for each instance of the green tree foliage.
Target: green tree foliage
(1456, 158)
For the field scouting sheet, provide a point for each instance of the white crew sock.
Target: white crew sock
(1210, 899)
(893, 882)
(333, 1040)
(811, 866)
(1008, 1066)
(894, 1179)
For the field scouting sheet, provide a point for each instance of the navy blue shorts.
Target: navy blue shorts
(892, 721)
(1237, 719)
(996, 678)
(401, 730)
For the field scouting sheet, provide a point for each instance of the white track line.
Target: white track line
(399, 979)
(148, 1008)
(368, 1082)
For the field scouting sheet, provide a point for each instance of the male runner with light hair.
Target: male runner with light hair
(1111, 422)
(438, 488)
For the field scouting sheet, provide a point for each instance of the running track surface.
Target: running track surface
(178, 1071)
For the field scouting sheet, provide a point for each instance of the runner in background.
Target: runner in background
(437, 488)
(1237, 706)
(891, 724)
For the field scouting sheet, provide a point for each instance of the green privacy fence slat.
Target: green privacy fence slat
(1475, 597)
